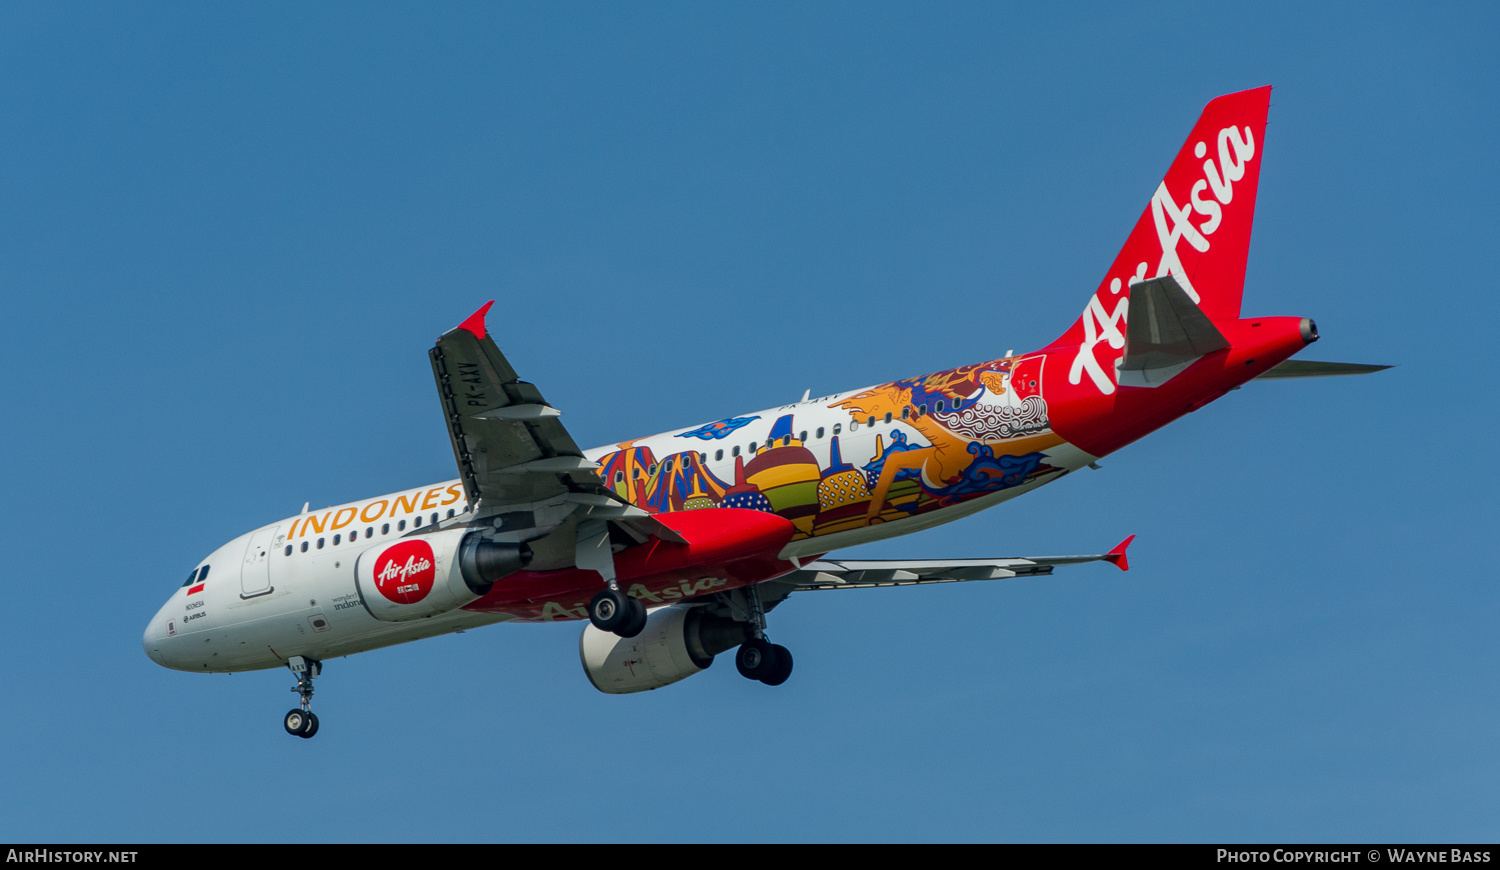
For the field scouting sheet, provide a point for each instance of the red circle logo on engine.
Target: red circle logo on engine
(405, 572)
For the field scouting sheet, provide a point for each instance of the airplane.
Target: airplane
(674, 548)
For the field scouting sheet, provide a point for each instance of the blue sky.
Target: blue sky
(228, 236)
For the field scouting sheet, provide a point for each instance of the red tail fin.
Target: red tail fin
(1196, 229)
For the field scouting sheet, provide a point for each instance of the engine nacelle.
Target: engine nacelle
(677, 642)
(425, 575)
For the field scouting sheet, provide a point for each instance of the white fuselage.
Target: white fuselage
(289, 588)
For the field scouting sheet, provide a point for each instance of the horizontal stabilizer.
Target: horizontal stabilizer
(1166, 332)
(864, 574)
(1306, 368)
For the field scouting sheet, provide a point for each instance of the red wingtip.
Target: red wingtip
(475, 323)
(1116, 556)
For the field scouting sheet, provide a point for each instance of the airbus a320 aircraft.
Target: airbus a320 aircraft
(674, 548)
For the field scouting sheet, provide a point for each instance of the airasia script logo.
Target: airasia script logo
(405, 572)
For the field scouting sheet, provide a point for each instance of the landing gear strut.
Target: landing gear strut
(302, 721)
(758, 658)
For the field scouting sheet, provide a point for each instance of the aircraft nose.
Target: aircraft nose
(151, 640)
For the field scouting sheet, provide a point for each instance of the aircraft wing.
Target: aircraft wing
(866, 574)
(513, 453)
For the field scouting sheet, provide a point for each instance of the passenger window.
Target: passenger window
(354, 534)
(921, 409)
(288, 549)
(906, 413)
(335, 540)
(853, 426)
(450, 513)
(888, 416)
(416, 521)
(871, 421)
(837, 427)
(718, 455)
(651, 470)
(703, 458)
(401, 526)
(802, 436)
(940, 406)
(385, 528)
(370, 532)
(667, 466)
(619, 477)
(320, 543)
(304, 546)
(820, 433)
(434, 517)
(736, 451)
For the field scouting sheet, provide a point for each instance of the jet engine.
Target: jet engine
(677, 642)
(425, 575)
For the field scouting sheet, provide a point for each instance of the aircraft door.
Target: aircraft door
(255, 572)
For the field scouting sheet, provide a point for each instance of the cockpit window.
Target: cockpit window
(198, 575)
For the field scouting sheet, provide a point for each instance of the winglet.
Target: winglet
(1117, 556)
(475, 323)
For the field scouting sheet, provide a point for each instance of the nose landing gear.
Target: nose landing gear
(302, 721)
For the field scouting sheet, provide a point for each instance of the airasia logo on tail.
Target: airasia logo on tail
(405, 572)
(1173, 225)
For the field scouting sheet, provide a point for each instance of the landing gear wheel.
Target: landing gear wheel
(636, 623)
(615, 612)
(756, 659)
(297, 722)
(782, 669)
(609, 610)
(312, 725)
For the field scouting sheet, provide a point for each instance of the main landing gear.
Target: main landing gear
(302, 721)
(758, 658)
(614, 611)
(611, 610)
